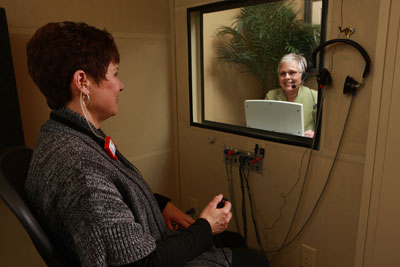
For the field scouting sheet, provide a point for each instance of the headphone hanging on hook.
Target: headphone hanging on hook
(324, 77)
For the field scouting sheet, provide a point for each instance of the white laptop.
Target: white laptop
(276, 116)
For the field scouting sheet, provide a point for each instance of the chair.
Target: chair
(14, 165)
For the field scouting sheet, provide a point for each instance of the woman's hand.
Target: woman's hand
(309, 133)
(218, 218)
(173, 215)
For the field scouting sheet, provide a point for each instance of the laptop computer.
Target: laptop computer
(276, 116)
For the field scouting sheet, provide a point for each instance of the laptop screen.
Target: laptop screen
(275, 116)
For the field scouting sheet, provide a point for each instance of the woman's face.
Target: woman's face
(104, 96)
(289, 75)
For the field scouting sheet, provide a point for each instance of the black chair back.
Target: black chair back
(14, 165)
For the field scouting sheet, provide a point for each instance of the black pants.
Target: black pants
(241, 255)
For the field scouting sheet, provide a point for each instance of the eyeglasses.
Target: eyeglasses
(291, 73)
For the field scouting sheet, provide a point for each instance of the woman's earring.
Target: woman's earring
(87, 96)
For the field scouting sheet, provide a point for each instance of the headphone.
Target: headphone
(324, 77)
(303, 76)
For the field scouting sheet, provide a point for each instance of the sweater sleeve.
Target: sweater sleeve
(180, 248)
(103, 228)
(161, 201)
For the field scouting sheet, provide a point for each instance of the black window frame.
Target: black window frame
(240, 130)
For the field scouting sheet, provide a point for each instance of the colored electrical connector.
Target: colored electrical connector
(252, 161)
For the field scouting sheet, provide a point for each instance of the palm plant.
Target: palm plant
(261, 35)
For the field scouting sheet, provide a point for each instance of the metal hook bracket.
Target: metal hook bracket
(348, 31)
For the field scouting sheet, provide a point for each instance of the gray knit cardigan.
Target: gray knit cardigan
(100, 210)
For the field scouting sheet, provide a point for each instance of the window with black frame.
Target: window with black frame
(247, 59)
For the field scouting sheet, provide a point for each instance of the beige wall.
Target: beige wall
(225, 87)
(143, 129)
(378, 229)
(333, 229)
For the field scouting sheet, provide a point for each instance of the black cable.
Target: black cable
(329, 174)
(246, 178)
(341, 26)
(283, 245)
(341, 14)
(326, 182)
(232, 194)
(244, 212)
(284, 196)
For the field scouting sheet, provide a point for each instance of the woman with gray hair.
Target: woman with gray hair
(291, 73)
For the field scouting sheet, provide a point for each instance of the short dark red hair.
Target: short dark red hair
(58, 49)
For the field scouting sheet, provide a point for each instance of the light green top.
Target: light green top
(305, 96)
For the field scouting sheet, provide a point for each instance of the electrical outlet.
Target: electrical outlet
(307, 258)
